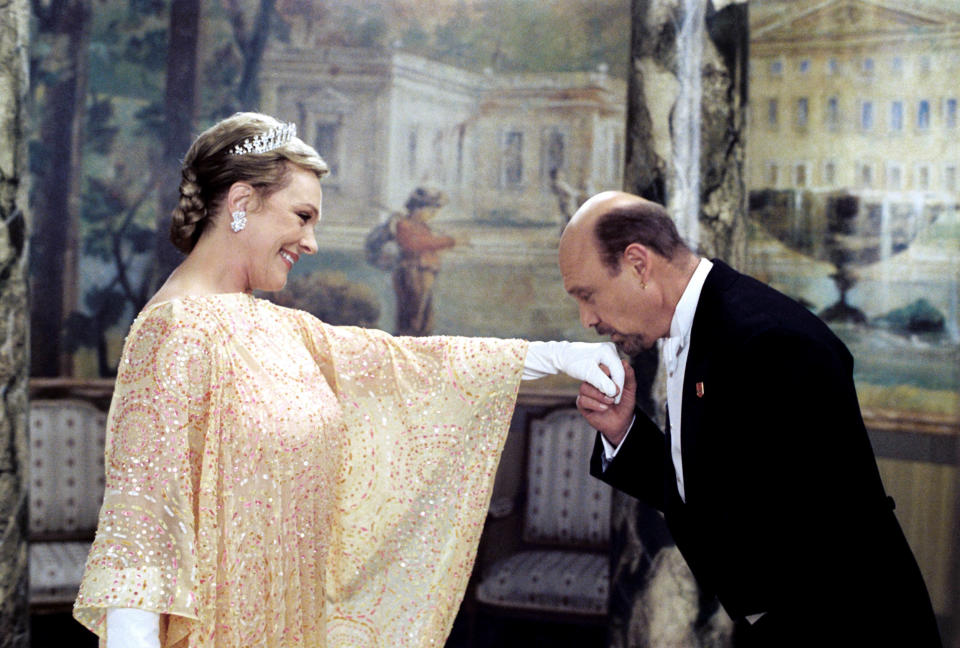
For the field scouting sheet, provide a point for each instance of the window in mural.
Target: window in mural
(554, 146)
(439, 159)
(894, 176)
(772, 174)
(897, 65)
(800, 176)
(923, 114)
(830, 173)
(896, 116)
(833, 113)
(615, 156)
(512, 158)
(413, 138)
(327, 141)
(866, 115)
(802, 109)
(461, 136)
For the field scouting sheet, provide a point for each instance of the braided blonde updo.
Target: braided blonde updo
(210, 169)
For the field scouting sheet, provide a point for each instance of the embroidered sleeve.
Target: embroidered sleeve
(426, 419)
(144, 554)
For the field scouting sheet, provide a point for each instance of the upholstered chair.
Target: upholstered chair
(561, 570)
(65, 492)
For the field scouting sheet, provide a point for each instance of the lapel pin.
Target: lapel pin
(699, 390)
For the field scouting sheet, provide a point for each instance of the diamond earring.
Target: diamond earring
(239, 220)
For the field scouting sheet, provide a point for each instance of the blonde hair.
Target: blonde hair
(210, 169)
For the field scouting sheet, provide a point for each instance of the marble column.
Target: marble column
(14, 619)
(686, 123)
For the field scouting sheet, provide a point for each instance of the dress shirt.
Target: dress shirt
(673, 352)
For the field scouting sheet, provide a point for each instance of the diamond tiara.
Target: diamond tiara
(273, 138)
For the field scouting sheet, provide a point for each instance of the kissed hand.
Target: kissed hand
(597, 363)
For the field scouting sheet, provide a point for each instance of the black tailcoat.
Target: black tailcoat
(785, 511)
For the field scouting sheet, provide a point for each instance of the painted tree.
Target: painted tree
(234, 66)
(59, 87)
(122, 171)
(179, 108)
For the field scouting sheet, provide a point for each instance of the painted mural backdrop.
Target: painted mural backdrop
(122, 86)
(509, 113)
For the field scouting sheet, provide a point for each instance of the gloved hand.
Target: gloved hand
(580, 360)
(132, 628)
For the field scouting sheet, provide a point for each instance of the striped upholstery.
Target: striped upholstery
(573, 582)
(565, 505)
(66, 465)
(566, 512)
(66, 488)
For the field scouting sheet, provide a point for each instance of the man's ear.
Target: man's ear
(241, 196)
(637, 257)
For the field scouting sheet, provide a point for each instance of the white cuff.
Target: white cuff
(132, 628)
(540, 360)
(609, 450)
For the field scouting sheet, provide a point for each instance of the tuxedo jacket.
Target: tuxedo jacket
(785, 512)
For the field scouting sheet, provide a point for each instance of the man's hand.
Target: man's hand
(603, 413)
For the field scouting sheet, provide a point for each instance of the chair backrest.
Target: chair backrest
(565, 505)
(66, 466)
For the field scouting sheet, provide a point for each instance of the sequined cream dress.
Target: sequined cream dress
(274, 481)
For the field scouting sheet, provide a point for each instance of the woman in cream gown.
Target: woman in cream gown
(275, 481)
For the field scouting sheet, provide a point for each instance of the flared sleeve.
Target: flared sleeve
(166, 396)
(425, 421)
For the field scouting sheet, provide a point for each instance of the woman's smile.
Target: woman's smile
(289, 257)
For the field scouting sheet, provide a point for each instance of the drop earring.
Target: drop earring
(239, 220)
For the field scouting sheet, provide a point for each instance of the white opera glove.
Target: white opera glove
(580, 360)
(132, 628)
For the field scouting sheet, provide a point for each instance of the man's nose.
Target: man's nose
(588, 319)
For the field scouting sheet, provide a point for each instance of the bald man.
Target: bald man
(765, 473)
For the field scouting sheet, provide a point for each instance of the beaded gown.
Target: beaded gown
(276, 481)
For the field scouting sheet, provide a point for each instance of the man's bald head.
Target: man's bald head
(612, 220)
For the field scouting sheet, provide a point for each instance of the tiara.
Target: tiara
(273, 138)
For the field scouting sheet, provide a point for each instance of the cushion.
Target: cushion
(55, 571)
(565, 505)
(549, 581)
(66, 465)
